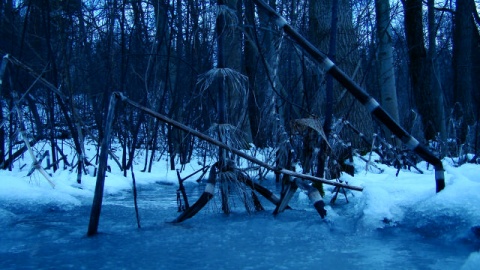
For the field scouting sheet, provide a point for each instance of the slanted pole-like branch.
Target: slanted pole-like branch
(102, 168)
(30, 71)
(361, 95)
(233, 150)
(36, 165)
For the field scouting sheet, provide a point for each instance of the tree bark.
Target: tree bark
(320, 18)
(251, 55)
(462, 67)
(3, 67)
(229, 56)
(438, 96)
(386, 70)
(102, 169)
(419, 67)
(328, 113)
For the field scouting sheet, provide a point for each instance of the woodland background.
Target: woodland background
(63, 60)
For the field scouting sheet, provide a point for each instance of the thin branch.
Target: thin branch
(233, 150)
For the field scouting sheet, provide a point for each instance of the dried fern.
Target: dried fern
(233, 78)
(230, 135)
(313, 123)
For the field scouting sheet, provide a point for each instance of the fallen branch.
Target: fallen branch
(35, 163)
(233, 150)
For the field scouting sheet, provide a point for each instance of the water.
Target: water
(49, 237)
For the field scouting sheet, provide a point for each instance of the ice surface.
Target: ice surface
(396, 222)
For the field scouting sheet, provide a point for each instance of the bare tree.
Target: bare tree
(426, 99)
(462, 67)
(386, 70)
(435, 80)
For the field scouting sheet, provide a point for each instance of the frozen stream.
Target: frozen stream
(49, 237)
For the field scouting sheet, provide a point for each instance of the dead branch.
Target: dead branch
(233, 150)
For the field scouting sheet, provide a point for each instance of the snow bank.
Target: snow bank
(473, 262)
(16, 188)
(409, 200)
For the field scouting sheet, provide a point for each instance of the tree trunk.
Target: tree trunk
(462, 67)
(102, 169)
(386, 70)
(419, 67)
(154, 144)
(435, 85)
(52, 77)
(344, 106)
(252, 55)
(6, 42)
(327, 125)
(229, 56)
(176, 107)
(3, 67)
(231, 103)
(221, 32)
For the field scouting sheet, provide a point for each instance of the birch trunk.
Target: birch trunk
(386, 71)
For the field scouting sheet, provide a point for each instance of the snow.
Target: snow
(408, 201)
(472, 262)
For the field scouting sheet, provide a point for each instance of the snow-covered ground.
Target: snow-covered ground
(407, 202)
